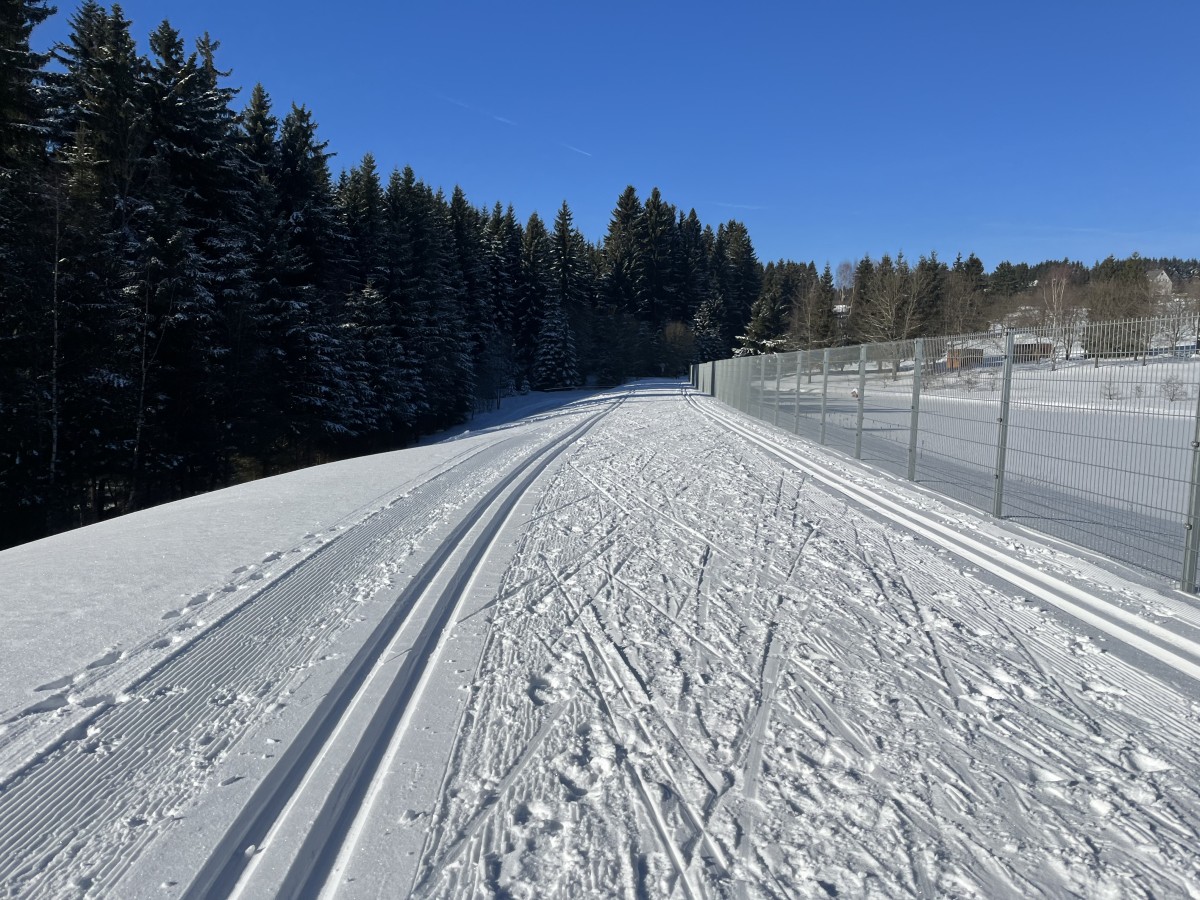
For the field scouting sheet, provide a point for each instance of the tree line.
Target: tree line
(191, 297)
(893, 299)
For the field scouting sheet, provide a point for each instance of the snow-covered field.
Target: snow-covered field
(632, 645)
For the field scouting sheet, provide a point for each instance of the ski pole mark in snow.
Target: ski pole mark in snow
(770, 677)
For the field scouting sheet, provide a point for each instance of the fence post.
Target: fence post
(799, 363)
(918, 365)
(762, 380)
(1191, 548)
(1002, 434)
(824, 390)
(862, 390)
(778, 382)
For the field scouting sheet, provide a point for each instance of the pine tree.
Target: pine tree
(657, 257)
(711, 340)
(316, 387)
(504, 239)
(824, 323)
(771, 311)
(556, 361)
(929, 286)
(197, 237)
(860, 301)
(360, 205)
(29, 202)
(489, 358)
(624, 286)
(429, 291)
(739, 275)
(99, 127)
(535, 286)
(693, 269)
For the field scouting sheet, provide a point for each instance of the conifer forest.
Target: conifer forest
(191, 295)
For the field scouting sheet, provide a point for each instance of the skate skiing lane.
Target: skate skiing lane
(1175, 650)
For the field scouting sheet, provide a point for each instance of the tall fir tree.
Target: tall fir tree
(534, 286)
(489, 360)
(30, 225)
(658, 259)
(556, 360)
(624, 287)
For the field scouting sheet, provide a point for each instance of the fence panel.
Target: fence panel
(1089, 433)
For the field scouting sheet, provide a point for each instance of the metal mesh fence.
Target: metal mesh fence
(1089, 434)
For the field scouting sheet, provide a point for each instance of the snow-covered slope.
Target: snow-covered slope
(633, 645)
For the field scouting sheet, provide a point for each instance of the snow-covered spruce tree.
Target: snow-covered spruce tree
(258, 330)
(739, 275)
(367, 322)
(30, 230)
(316, 387)
(504, 238)
(658, 259)
(770, 313)
(623, 285)
(712, 341)
(198, 233)
(555, 364)
(489, 362)
(571, 282)
(694, 265)
(534, 286)
(429, 291)
(101, 136)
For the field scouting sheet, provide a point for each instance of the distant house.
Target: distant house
(1032, 351)
(1160, 283)
(964, 358)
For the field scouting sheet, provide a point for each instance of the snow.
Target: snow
(626, 643)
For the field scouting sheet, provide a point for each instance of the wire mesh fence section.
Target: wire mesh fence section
(1088, 433)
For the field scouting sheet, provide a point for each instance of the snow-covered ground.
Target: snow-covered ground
(634, 645)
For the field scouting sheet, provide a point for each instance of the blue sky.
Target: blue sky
(1017, 130)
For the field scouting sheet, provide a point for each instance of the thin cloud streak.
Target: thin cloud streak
(576, 149)
(475, 109)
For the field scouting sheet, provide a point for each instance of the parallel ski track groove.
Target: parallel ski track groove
(324, 841)
(68, 785)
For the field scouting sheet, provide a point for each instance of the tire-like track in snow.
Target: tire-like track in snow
(447, 574)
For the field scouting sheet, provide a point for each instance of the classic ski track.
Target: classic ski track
(17, 755)
(168, 724)
(307, 873)
(178, 721)
(1173, 649)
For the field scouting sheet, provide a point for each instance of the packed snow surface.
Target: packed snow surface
(619, 644)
